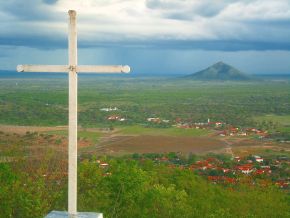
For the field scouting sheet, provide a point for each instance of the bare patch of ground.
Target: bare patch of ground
(114, 143)
(158, 144)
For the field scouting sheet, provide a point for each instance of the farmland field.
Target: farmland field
(159, 144)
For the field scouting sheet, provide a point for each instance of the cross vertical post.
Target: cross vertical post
(72, 132)
(73, 69)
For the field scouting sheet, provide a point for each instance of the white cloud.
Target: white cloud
(257, 10)
(179, 19)
(125, 20)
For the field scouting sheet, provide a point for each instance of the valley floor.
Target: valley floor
(119, 142)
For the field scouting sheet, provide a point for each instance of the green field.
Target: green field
(282, 120)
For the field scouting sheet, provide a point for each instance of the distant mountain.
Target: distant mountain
(219, 71)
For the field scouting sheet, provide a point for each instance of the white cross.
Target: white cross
(72, 70)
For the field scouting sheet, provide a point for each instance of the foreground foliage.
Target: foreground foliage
(128, 188)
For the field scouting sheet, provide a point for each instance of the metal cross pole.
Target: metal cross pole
(73, 69)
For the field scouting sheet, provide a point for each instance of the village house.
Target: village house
(154, 119)
(246, 168)
(115, 117)
(234, 130)
(215, 124)
(225, 170)
(258, 159)
(103, 165)
(237, 158)
(109, 109)
(209, 163)
(242, 134)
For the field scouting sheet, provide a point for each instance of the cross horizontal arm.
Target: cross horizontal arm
(79, 69)
(43, 68)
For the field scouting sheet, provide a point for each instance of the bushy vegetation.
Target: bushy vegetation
(131, 189)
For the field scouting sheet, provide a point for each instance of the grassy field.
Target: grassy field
(283, 120)
(282, 123)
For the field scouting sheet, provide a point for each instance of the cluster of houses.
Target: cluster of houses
(252, 166)
(214, 164)
(222, 128)
(216, 171)
(227, 130)
(199, 125)
(235, 131)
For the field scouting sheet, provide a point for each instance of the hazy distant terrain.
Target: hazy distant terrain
(43, 101)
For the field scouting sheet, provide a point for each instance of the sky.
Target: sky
(152, 36)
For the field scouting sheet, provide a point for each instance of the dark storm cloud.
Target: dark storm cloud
(29, 10)
(39, 42)
(44, 42)
(217, 45)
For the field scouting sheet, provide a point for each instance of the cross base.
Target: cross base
(64, 214)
